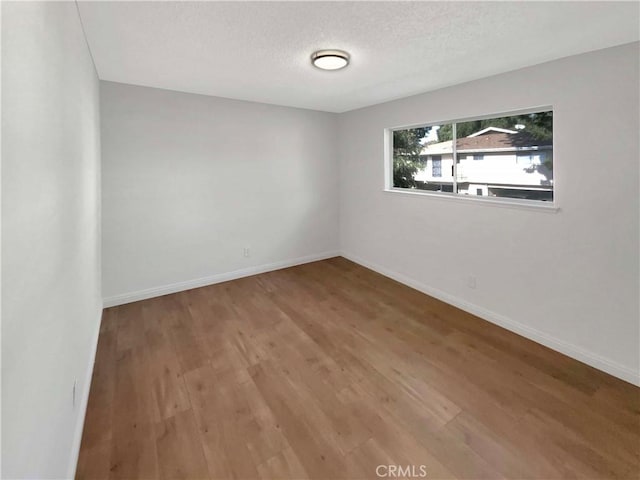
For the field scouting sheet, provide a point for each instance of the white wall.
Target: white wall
(567, 279)
(191, 180)
(51, 299)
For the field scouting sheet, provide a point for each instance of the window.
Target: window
(524, 159)
(436, 166)
(497, 156)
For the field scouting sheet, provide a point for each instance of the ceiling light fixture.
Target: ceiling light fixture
(330, 59)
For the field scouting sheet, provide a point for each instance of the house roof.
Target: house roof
(492, 129)
(496, 139)
(438, 148)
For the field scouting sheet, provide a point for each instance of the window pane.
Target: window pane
(506, 157)
(423, 158)
(436, 166)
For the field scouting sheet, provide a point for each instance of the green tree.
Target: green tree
(538, 125)
(407, 145)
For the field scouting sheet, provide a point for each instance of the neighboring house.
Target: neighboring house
(492, 162)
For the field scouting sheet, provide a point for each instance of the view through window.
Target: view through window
(509, 156)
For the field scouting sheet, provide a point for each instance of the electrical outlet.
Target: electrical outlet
(73, 393)
(471, 282)
(246, 252)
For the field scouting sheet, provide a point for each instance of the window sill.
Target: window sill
(548, 207)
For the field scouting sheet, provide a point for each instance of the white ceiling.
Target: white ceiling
(260, 50)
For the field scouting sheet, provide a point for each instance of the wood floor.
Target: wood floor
(328, 371)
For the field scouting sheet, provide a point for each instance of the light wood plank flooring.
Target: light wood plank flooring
(328, 370)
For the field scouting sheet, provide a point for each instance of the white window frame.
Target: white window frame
(552, 206)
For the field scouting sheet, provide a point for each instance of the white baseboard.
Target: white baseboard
(84, 401)
(569, 349)
(210, 280)
(613, 368)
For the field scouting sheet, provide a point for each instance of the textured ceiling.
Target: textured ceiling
(260, 50)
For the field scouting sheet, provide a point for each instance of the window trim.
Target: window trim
(473, 199)
(388, 187)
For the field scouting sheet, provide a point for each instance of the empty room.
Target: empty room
(320, 240)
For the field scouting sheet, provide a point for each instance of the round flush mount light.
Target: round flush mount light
(330, 59)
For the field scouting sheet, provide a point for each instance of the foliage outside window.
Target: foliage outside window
(516, 153)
